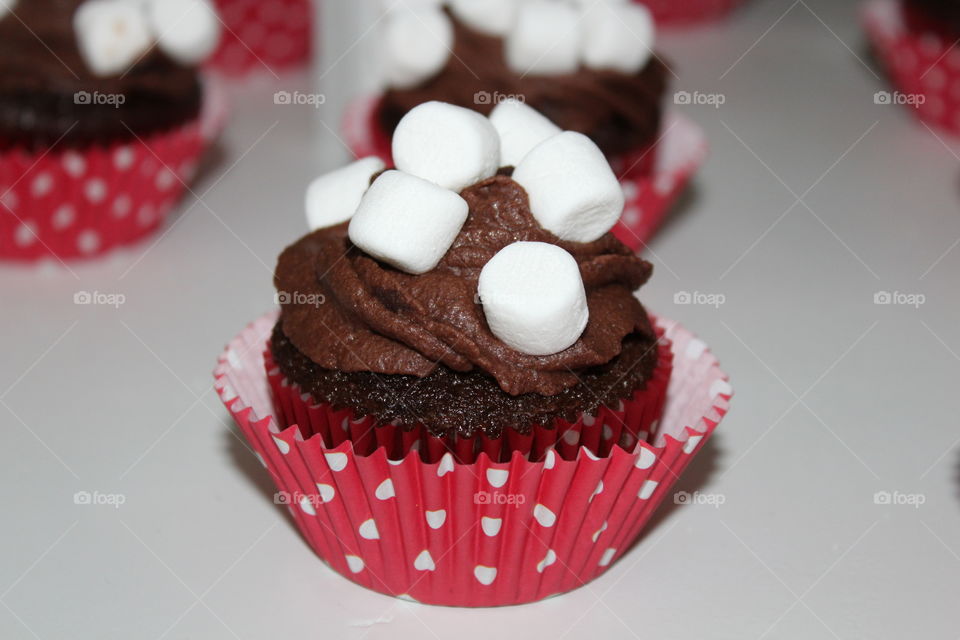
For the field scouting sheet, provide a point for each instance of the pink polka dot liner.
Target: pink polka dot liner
(652, 178)
(919, 63)
(79, 203)
(689, 12)
(479, 534)
(263, 36)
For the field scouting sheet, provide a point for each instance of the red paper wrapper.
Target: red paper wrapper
(688, 12)
(79, 203)
(652, 178)
(921, 63)
(263, 36)
(632, 420)
(480, 534)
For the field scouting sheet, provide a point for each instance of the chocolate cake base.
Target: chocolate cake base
(450, 403)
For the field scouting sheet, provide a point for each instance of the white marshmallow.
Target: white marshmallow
(573, 192)
(533, 297)
(334, 197)
(492, 17)
(407, 222)
(416, 45)
(619, 37)
(445, 144)
(545, 39)
(6, 6)
(187, 30)
(521, 128)
(111, 35)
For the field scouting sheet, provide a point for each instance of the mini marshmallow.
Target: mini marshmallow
(111, 35)
(334, 197)
(187, 30)
(492, 17)
(573, 192)
(617, 36)
(545, 39)
(416, 45)
(533, 298)
(407, 222)
(445, 144)
(521, 128)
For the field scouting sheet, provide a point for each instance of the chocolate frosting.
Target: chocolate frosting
(620, 112)
(41, 69)
(942, 16)
(376, 319)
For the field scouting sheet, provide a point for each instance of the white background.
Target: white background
(814, 199)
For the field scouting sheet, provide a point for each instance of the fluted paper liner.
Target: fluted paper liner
(668, 13)
(652, 178)
(919, 63)
(263, 36)
(78, 203)
(481, 534)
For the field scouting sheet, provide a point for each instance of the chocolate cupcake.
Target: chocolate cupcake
(463, 314)
(101, 119)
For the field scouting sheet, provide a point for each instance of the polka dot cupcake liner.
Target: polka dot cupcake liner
(652, 178)
(263, 36)
(921, 63)
(479, 534)
(632, 420)
(66, 203)
(689, 12)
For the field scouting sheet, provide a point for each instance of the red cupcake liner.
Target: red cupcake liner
(920, 63)
(630, 421)
(79, 203)
(652, 178)
(480, 534)
(689, 12)
(268, 36)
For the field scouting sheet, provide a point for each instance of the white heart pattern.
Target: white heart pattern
(720, 387)
(327, 492)
(306, 506)
(647, 489)
(355, 563)
(597, 491)
(548, 560)
(368, 530)
(385, 490)
(485, 575)
(571, 437)
(550, 461)
(646, 458)
(607, 556)
(337, 461)
(497, 477)
(445, 466)
(691, 443)
(491, 526)
(436, 518)
(424, 561)
(544, 516)
(282, 445)
(596, 534)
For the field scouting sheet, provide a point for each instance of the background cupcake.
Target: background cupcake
(587, 69)
(690, 12)
(103, 116)
(263, 36)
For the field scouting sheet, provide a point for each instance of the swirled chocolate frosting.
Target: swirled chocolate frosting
(41, 71)
(344, 312)
(620, 112)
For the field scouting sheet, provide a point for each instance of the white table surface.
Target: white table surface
(813, 199)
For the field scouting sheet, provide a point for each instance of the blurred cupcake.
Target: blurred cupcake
(590, 69)
(103, 117)
(263, 36)
(669, 13)
(459, 349)
(916, 41)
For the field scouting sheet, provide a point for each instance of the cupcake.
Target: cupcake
(461, 398)
(103, 117)
(263, 36)
(592, 70)
(916, 41)
(690, 12)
